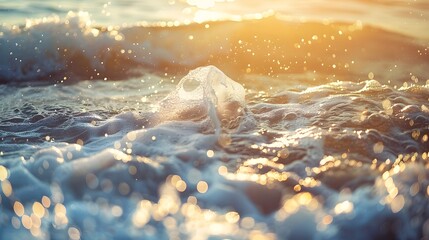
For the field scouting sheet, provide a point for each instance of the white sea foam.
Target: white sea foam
(53, 49)
(301, 168)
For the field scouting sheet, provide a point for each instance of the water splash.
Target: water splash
(211, 92)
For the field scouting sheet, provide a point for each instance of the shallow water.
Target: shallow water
(297, 121)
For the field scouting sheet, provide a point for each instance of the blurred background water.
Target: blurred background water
(407, 17)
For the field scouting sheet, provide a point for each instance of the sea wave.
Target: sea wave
(71, 49)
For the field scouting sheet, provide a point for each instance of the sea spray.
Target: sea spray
(206, 91)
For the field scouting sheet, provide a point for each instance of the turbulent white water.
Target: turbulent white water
(260, 126)
(296, 164)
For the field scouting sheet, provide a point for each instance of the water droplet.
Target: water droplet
(202, 186)
(378, 147)
(210, 153)
(397, 203)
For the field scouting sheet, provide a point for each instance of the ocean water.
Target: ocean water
(214, 119)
